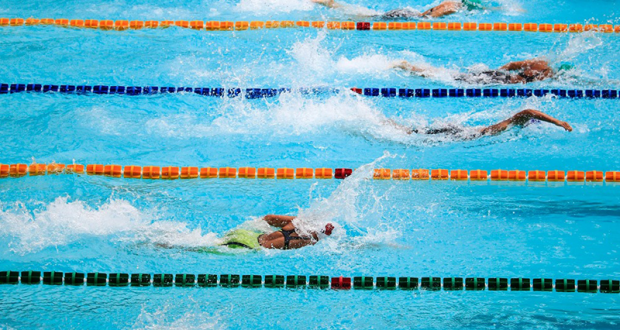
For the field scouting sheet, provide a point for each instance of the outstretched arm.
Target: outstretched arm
(405, 66)
(328, 3)
(527, 64)
(443, 9)
(393, 123)
(521, 119)
(279, 221)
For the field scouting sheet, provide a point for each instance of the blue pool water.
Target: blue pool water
(384, 228)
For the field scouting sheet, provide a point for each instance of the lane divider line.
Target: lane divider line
(314, 282)
(194, 172)
(121, 25)
(253, 93)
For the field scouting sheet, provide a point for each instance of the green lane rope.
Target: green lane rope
(314, 281)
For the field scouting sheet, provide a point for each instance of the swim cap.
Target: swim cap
(565, 67)
(328, 229)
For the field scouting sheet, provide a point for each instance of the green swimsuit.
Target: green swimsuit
(242, 239)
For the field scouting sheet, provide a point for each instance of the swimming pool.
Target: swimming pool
(72, 223)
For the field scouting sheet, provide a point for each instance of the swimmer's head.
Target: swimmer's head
(565, 67)
(328, 229)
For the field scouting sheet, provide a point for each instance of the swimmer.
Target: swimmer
(443, 9)
(520, 72)
(284, 239)
(521, 119)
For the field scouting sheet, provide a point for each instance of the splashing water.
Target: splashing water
(341, 205)
(63, 222)
(292, 115)
(295, 115)
(315, 59)
(511, 7)
(194, 319)
(578, 44)
(344, 209)
(273, 6)
(375, 64)
(312, 55)
(359, 11)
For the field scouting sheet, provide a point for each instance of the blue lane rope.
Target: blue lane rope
(253, 93)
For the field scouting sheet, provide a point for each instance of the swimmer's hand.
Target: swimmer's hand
(566, 126)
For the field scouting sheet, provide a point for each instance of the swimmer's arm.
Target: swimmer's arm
(406, 66)
(328, 3)
(313, 236)
(527, 64)
(278, 220)
(443, 9)
(521, 119)
(405, 129)
(524, 116)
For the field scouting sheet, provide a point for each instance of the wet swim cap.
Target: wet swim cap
(328, 229)
(565, 67)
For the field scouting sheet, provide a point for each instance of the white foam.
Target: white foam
(342, 208)
(359, 11)
(578, 44)
(353, 207)
(314, 61)
(292, 115)
(312, 57)
(295, 115)
(160, 319)
(101, 119)
(375, 64)
(152, 11)
(511, 8)
(273, 6)
(63, 222)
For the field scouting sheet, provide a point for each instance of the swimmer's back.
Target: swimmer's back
(485, 77)
(452, 131)
(400, 13)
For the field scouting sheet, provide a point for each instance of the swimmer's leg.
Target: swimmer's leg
(272, 242)
(443, 9)
(520, 119)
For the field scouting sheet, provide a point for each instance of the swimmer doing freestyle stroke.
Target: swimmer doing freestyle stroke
(519, 72)
(521, 119)
(443, 9)
(284, 239)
